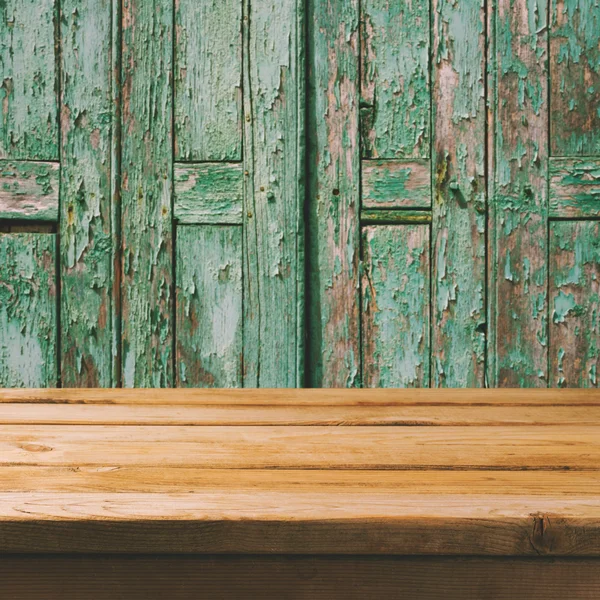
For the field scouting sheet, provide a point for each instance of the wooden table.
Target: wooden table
(300, 494)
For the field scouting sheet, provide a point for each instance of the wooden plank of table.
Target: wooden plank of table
(292, 523)
(319, 447)
(182, 480)
(307, 397)
(240, 415)
(297, 577)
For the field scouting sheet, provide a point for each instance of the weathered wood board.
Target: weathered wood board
(395, 294)
(209, 306)
(28, 310)
(395, 193)
(28, 80)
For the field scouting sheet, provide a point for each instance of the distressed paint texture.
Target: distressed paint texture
(274, 194)
(208, 79)
(209, 193)
(146, 215)
(459, 199)
(396, 184)
(28, 102)
(333, 300)
(209, 306)
(574, 187)
(575, 77)
(575, 303)
(396, 102)
(395, 292)
(29, 190)
(28, 332)
(520, 211)
(86, 247)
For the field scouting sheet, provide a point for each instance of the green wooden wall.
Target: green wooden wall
(287, 193)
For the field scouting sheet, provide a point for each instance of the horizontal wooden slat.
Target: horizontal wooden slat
(298, 578)
(184, 480)
(396, 184)
(318, 447)
(296, 523)
(29, 190)
(377, 216)
(239, 415)
(307, 397)
(574, 187)
(209, 193)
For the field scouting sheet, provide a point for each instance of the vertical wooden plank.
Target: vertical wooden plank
(459, 204)
(85, 216)
(28, 103)
(575, 77)
(27, 310)
(575, 303)
(146, 212)
(209, 306)
(208, 80)
(519, 286)
(396, 102)
(333, 244)
(395, 290)
(274, 195)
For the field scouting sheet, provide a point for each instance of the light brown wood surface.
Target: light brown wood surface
(323, 472)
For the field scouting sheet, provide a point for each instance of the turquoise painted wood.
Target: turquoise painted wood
(285, 193)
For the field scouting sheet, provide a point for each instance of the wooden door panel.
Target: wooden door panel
(28, 310)
(383, 193)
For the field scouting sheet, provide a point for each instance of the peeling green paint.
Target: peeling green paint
(575, 293)
(209, 306)
(575, 77)
(85, 216)
(396, 184)
(209, 193)
(146, 173)
(29, 190)
(274, 137)
(28, 102)
(395, 96)
(395, 293)
(574, 188)
(208, 80)
(28, 331)
(459, 196)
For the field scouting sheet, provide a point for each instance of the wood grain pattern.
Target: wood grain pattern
(208, 80)
(396, 184)
(29, 106)
(86, 245)
(28, 323)
(346, 415)
(152, 478)
(575, 77)
(297, 578)
(574, 188)
(29, 190)
(298, 447)
(458, 227)
(395, 292)
(519, 217)
(312, 397)
(575, 303)
(395, 95)
(146, 215)
(333, 237)
(209, 193)
(274, 194)
(209, 306)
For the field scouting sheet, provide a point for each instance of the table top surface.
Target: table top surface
(435, 472)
